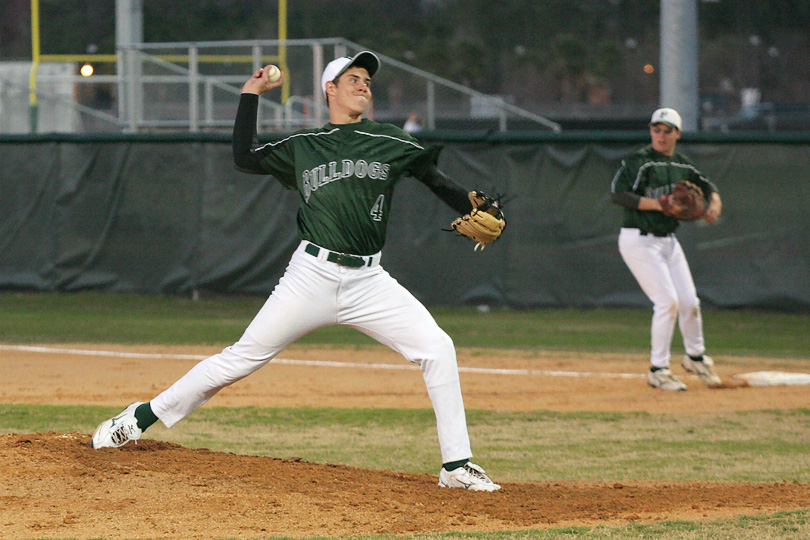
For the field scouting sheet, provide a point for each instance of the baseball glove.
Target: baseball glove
(484, 224)
(685, 203)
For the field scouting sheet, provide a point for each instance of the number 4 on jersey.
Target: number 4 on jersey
(377, 209)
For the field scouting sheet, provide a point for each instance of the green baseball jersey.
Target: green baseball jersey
(648, 173)
(345, 176)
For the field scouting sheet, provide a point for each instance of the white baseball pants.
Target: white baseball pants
(660, 267)
(314, 293)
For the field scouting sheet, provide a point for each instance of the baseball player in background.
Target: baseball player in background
(649, 247)
(345, 174)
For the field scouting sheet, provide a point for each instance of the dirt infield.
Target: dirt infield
(54, 485)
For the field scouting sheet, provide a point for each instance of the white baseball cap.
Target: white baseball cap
(669, 117)
(335, 68)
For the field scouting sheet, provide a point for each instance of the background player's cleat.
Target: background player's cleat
(704, 370)
(665, 380)
(118, 430)
(468, 476)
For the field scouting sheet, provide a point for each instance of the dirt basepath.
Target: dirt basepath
(54, 485)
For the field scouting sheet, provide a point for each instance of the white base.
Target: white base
(774, 378)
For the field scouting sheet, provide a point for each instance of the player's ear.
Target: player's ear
(331, 88)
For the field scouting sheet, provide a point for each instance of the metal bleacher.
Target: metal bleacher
(194, 87)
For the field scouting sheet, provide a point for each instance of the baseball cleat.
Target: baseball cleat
(118, 430)
(664, 380)
(468, 476)
(704, 370)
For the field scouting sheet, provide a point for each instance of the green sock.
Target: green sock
(145, 416)
(453, 465)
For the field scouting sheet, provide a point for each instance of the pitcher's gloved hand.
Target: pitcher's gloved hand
(485, 222)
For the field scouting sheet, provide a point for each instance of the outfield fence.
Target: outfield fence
(169, 214)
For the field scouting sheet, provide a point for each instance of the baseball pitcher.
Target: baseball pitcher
(345, 174)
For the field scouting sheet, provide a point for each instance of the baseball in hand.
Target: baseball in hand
(272, 73)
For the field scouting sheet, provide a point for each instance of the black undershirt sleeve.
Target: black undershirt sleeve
(627, 199)
(447, 189)
(244, 136)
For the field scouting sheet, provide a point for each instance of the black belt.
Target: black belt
(352, 261)
(645, 233)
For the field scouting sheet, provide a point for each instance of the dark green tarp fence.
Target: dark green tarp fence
(169, 214)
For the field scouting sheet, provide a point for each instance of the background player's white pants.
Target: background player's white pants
(312, 294)
(660, 267)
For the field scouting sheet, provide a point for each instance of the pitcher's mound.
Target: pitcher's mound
(56, 486)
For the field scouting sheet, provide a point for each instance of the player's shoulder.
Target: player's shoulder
(646, 153)
(293, 135)
(388, 130)
(324, 129)
(683, 158)
(639, 157)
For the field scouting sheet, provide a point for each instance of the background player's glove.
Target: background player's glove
(485, 223)
(685, 203)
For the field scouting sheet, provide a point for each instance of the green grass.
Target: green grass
(136, 319)
(757, 446)
(753, 446)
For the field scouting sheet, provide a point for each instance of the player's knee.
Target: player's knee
(446, 339)
(691, 306)
(439, 364)
(670, 308)
(433, 347)
(439, 345)
(445, 343)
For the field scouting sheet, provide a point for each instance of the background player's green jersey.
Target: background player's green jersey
(648, 173)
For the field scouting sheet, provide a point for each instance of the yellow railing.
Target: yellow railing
(176, 58)
(37, 57)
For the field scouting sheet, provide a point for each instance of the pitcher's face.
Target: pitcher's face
(352, 90)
